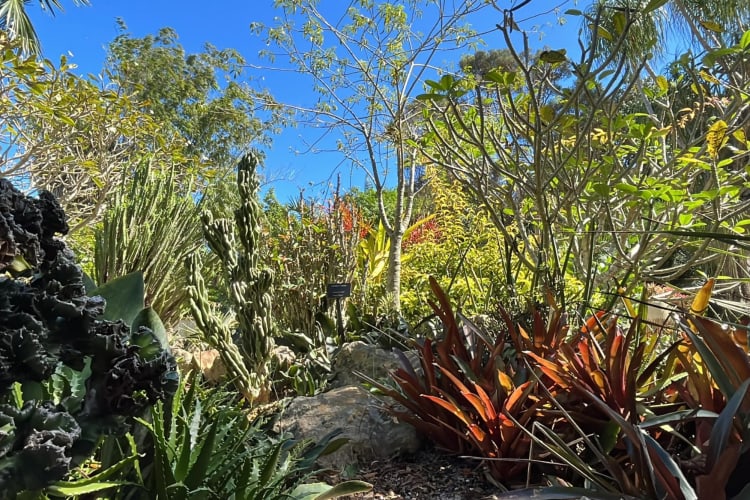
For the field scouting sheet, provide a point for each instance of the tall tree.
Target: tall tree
(69, 135)
(579, 185)
(366, 63)
(637, 28)
(203, 97)
(15, 19)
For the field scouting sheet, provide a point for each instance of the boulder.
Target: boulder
(208, 362)
(372, 433)
(368, 359)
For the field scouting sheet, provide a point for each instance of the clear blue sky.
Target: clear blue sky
(85, 32)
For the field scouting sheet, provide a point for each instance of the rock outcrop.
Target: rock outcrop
(372, 433)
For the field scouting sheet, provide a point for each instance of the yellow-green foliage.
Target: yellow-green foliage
(462, 250)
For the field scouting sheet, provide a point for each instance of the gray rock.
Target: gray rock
(372, 433)
(368, 359)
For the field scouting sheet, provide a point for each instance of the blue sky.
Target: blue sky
(85, 32)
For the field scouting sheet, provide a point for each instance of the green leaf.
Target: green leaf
(561, 493)
(745, 40)
(67, 491)
(88, 284)
(19, 264)
(627, 188)
(608, 436)
(150, 319)
(92, 484)
(712, 26)
(270, 465)
(652, 6)
(198, 471)
(124, 296)
(430, 97)
(662, 83)
(553, 56)
(345, 488)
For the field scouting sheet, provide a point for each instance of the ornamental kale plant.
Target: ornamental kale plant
(67, 377)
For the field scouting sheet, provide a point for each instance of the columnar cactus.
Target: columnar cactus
(249, 287)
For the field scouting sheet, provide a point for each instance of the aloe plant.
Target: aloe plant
(204, 446)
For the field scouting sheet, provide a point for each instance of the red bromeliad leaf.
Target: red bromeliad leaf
(428, 364)
(709, 485)
(507, 428)
(505, 382)
(478, 405)
(552, 369)
(451, 407)
(517, 398)
(617, 360)
(489, 407)
(732, 357)
(540, 332)
(479, 435)
(588, 358)
(592, 325)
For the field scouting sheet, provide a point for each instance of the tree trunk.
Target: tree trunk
(393, 278)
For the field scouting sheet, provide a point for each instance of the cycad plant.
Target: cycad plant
(249, 284)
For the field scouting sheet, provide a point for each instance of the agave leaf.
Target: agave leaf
(124, 296)
(68, 488)
(323, 491)
(327, 444)
(150, 319)
(270, 464)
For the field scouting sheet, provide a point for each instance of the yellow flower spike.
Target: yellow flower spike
(700, 302)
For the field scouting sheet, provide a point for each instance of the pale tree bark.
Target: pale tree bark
(367, 63)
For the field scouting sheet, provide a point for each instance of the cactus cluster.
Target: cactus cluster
(249, 286)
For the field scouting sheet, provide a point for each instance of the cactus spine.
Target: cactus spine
(249, 287)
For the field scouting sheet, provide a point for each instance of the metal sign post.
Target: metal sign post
(339, 291)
